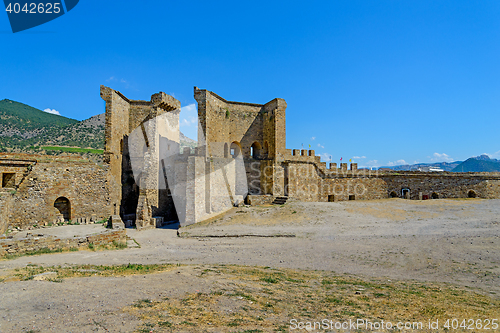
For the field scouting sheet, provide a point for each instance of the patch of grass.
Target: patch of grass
(70, 271)
(269, 279)
(55, 280)
(143, 303)
(45, 250)
(120, 245)
(262, 299)
(73, 149)
(165, 324)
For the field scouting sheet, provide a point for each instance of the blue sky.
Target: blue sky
(380, 82)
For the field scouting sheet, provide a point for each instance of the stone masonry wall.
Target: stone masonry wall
(10, 246)
(82, 183)
(307, 182)
(443, 184)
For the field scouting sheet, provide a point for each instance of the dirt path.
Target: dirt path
(455, 241)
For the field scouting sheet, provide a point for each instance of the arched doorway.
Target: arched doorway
(255, 150)
(64, 207)
(434, 195)
(405, 193)
(472, 194)
(393, 194)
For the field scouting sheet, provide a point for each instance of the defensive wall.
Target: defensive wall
(48, 189)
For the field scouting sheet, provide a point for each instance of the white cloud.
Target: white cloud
(123, 81)
(325, 157)
(494, 155)
(398, 162)
(52, 111)
(313, 138)
(188, 120)
(437, 157)
(358, 157)
(373, 163)
(320, 146)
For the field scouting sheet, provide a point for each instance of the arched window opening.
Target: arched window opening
(235, 149)
(255, 150)
(64, 206)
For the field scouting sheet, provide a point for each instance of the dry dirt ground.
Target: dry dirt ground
(438, 241)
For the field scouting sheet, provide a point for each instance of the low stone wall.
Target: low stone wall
(36, 242)
(256, 200)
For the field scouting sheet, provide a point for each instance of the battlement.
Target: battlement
(165, 101)
(206, 93)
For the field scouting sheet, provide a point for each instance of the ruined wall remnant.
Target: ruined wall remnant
(50, 189)
(123, 116)
(256, 131)
(259, 132)
(34, 243)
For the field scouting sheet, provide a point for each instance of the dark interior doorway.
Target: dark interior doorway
(64, 207)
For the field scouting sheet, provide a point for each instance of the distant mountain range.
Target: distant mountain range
(482, 163)
(24, 128)
(442, 165)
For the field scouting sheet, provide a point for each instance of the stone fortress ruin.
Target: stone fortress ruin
(241, 157)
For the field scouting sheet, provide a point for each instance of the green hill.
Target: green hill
(478, 165)
(26, 121)
(88, 133)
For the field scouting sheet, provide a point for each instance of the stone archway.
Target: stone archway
(64, 206)
(393, 194)
(434, 195)
(472, 194)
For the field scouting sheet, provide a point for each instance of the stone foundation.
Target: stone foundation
(35, 242)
